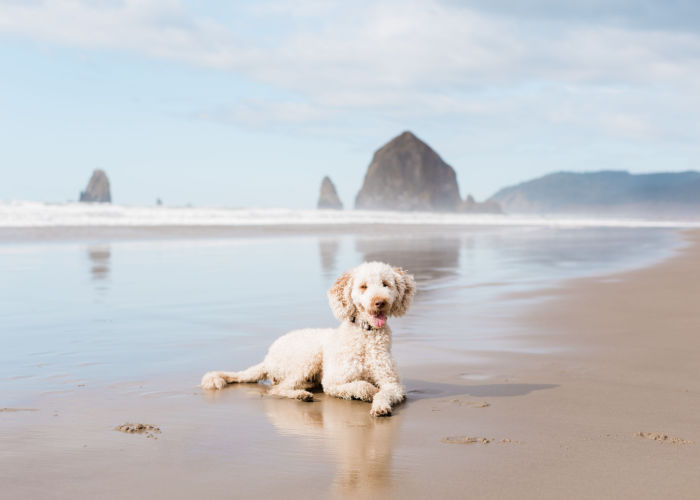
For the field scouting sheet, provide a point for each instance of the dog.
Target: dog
(352, 361)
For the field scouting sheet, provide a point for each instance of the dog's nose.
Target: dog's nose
(379, 303)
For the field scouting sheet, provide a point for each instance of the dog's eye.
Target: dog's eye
(363, 286)
(386, 285)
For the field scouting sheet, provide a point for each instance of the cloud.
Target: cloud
(156, 28)
(627, 124)
(264, 113)
(426, 59)
(674, 15)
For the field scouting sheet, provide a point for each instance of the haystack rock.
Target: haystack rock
(471, 206)
(329, 196)
(97, 189)
(406, 174)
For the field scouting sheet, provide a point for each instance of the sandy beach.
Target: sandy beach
(479, 219)
(614, 415)
(601, 401)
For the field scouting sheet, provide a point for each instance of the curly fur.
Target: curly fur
(352, 361)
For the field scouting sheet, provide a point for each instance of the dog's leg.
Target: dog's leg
(216, 380)
(389, 395)
(253, 374)
(391, 392)
(359, 389)
(293, 390)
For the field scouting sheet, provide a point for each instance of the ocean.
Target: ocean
(25, 214)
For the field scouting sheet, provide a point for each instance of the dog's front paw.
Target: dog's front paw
(364, 391)
(305, 396)
(380, 410)
(212, 381)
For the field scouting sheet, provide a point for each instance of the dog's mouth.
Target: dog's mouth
(378, 320)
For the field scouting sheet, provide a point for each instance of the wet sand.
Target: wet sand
(583, 420)
(614, 415)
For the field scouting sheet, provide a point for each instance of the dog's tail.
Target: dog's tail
(252, 374)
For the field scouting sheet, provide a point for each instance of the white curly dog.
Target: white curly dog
(352, 361)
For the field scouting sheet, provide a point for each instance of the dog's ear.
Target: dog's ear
(406, 286)
(339, 297)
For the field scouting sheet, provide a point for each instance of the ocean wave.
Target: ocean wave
(18, 214)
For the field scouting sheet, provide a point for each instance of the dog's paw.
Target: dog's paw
(360, 390)
(305, 396)
(368, 391)
(212, 381)
(380, 410)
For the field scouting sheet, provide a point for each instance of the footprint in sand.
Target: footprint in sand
(473, 404)
(476, 440)
(149, 430)
(470, 403)
(661, 437)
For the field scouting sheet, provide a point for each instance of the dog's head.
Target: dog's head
(371, 292)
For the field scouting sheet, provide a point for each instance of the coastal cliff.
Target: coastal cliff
(605, 193)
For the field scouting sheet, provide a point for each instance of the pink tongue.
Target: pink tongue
(379, 320)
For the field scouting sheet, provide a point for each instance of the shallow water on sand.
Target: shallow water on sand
(79, 313)
(104, 331)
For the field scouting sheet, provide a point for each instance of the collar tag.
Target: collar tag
(364, 325)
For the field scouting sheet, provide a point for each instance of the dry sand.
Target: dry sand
(613, 412)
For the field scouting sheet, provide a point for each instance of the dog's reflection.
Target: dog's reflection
(360, 444)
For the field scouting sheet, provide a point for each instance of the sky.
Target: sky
(251, 103)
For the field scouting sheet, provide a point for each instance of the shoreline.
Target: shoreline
(125, 233)
(10, 235)
(31, 221)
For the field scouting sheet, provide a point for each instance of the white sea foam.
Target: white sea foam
(16, 214)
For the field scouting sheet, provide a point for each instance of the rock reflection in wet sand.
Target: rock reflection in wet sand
(328, 249)
(99, 256)
(427, 258)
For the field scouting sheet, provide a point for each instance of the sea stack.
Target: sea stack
(97, 189)
(406, 174)
(471, 206)
(329, 196)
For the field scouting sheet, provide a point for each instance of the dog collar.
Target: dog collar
(364, 325)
